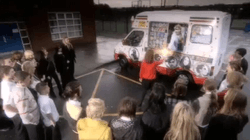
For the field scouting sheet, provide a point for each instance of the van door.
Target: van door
(133, 45)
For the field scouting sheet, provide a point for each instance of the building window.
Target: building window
(65, 25)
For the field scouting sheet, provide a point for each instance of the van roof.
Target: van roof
(181, 14)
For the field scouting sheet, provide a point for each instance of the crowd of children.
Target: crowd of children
(26, 92)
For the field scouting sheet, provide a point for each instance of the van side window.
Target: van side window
(201, 34)
(170, 35)
(177, 36)
(134, 38)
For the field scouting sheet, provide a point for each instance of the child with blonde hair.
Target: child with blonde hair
(183, 126)
(92, 127)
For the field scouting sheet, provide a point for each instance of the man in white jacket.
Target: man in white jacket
(176, 42)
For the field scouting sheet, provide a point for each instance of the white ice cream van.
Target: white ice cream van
(193, 43)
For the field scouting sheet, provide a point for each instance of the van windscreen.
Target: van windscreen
(134, 39)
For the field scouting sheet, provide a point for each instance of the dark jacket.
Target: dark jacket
(244, 65)
(45, 67)
(69, 54)
(65, 64)
(59, 61)
(62, 55)
(41, 68)
(156, 122)
(127, 130)
(224, 127)
(5, 122)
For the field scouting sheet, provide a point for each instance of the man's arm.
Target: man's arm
(23, 110)
(51, 119)
(10, 108)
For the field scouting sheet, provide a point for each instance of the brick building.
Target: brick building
(43, 23)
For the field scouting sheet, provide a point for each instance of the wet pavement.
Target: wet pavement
(109, 83)
(102, 77)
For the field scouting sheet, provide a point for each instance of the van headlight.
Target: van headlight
(202, 70)
(171, 62)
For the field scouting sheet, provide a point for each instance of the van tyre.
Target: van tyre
(123, 62)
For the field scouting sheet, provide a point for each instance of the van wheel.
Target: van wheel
(123, 62)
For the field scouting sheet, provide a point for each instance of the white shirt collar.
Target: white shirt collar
(43, 96)
(6, 81)
(208, 92)
(74, 102)
(125, 118)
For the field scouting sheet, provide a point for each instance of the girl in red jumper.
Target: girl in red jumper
(148, 72)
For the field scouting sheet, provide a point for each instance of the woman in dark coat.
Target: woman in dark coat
(46, 70)
(231, 119)
(156, 116)
(65, 59)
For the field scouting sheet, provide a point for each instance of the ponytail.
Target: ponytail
(213, 106)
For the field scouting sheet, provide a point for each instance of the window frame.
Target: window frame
(212, 31)
(77, 33)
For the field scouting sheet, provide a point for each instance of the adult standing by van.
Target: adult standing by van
(65, 59)
(176, 42)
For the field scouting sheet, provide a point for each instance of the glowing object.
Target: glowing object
(166, 52)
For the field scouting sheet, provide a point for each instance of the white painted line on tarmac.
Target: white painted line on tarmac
(80, 76)
(124, 77)
(97, 84)
(111, 114)
(116, 114)
(88, 73)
